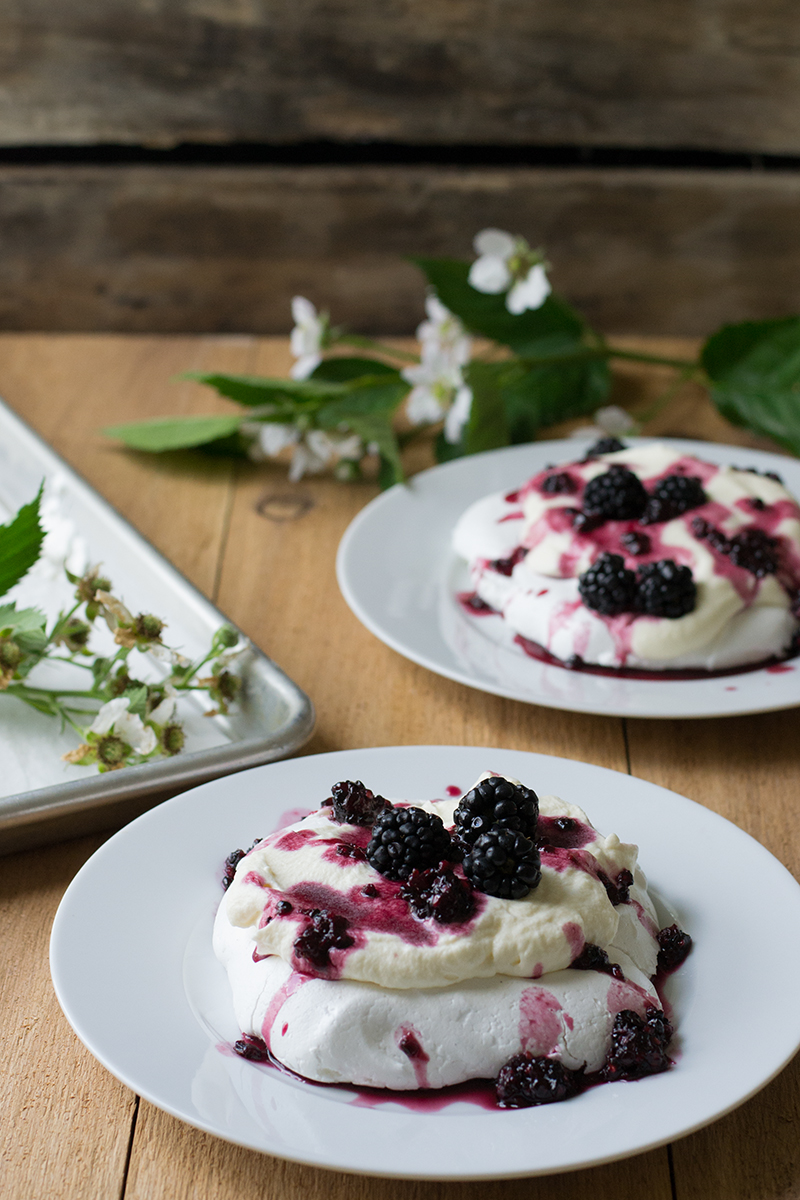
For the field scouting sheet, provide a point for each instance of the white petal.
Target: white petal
(132, 729)
(458, 415)
(305, 364)
(495, 242)
(614, 420)
(303, 311)
(350, 447)
(529, 293)
(489, 274)
(422, 407)
(164, 711)
(436, 310)
(108, 715)
(273, 438)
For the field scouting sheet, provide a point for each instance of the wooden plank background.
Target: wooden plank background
(707, 73)
(180, 248)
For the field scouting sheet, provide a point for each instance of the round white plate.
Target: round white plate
(134, 972)
(398, 573)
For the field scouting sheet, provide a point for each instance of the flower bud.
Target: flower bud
(226, 637)
(10, 654)
(148, 627)
(172, 739)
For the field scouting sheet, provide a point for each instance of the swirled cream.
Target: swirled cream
(403, 1002)
(526, 554)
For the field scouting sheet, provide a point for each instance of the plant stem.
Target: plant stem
(365, 343)
(679, 364)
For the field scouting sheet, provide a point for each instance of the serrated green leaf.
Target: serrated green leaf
(25, 625)
(539, 396)
(343, 370)
(137, 700)
(20, 544)
(173, 433)
(253, 391)
(361, 400)
(754, 371)
(551, 329)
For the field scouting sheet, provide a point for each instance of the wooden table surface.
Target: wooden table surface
(68, 1128)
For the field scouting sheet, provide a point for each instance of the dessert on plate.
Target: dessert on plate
(408, 946)
(639, 558)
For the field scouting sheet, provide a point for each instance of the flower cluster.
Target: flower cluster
(131, 720)
(439, 390)
(507, 264)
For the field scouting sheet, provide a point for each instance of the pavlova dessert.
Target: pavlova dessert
(401, 946)
(639, 558)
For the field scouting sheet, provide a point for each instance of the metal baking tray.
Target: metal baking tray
(273, 719)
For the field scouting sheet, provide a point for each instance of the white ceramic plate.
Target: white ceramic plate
(400, 577)
(135, 975)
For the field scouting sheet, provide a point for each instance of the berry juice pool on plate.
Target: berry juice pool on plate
(640, 560)
(412, 946)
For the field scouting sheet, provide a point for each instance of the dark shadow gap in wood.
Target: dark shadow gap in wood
(326, 152)
(126, 1168)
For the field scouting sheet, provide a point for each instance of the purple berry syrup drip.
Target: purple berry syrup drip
(440, 894)
(674, 947)
(252, 1048)
(504, 566)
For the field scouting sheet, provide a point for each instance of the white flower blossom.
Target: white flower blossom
(507, 264)
(458, 415)
(445, 348)
(308, 337)
(611, 421)
(318, 448)
(164, 711)
(114, 718)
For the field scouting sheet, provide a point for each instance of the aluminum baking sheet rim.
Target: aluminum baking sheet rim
(154, 779)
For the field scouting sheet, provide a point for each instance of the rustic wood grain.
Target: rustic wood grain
(205, 249)
(71, 1121)
(65, 1120)
(723, 73)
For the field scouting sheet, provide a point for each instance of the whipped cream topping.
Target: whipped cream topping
(738, 618)
(319, 864)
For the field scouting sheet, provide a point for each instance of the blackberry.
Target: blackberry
(504, 566)
(673, 495)
(251, 1047)
(752, 549)
(503, 863)
(674, 947)
(324, 932)
(525, 1081)
(665, 589)
(638, 1046)
(755, 551)
(407, 839)
(585, 522)
(617, 890)
(635, 543)
(594, 958)
(606, 445)
(560, 484)
(755, 471)
(439, 894)
(354, 804)
(496, 802)
(232, 862)
(617, 495)
(608, 586)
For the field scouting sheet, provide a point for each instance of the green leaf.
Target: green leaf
(173, 433)
(754, 369)
(539, 396)
(487, 427)
(253, 391)
(26, 626)
(551, 329)
(361, 400)
(343, 370)
(20, 544)
(137, 700)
